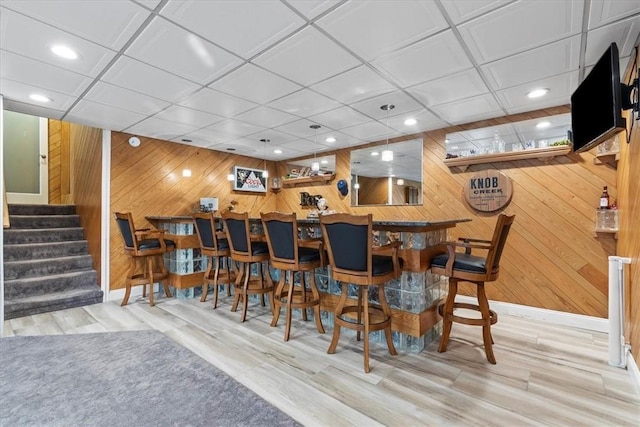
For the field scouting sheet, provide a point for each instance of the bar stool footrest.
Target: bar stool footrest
(467, 320)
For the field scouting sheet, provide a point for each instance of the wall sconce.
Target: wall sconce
(400, 181)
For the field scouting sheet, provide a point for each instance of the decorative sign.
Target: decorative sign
(247, 179)
(488, 191)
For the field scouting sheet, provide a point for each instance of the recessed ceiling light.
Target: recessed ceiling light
(39, 98)
(277, 151)
(64, 52)
(375, 153)
(543, 125)
(330, 139)
(410, 122)
(537, 93)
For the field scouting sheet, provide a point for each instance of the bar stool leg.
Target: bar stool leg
(387, 315)
(238, 292)
(359, 311)
(277, 298)
(149, 265)
(447, 314)
(287, 327)
(245, 293)
(206, 277)
(483, 303)
(303, 293)
(367, 369)
(337, 313)
(316, 297)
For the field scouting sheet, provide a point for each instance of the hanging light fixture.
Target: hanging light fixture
(315, 166)
(265, 172)
(387, 155)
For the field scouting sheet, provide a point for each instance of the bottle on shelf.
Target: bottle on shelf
(604, 199)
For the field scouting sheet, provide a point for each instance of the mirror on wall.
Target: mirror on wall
(394, 182)
(517, 136)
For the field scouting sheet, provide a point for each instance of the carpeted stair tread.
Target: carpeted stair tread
(43, 221)
(18, 236)
(44, 303)
(26, 251)
(41, 209)
(44, 267)
(18, 288)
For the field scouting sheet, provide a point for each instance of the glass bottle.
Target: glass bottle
(604, 198)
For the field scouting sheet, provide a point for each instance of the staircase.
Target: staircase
(47, 266)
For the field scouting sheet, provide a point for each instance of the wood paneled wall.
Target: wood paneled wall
(148, 181)
(75, 177)
(629, 205)
(553, 258)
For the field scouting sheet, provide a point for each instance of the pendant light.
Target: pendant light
(387, 155)
(265, 172)
(315, 166)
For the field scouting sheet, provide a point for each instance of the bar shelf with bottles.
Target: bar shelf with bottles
(606, 214)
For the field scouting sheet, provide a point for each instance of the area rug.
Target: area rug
(139, 378)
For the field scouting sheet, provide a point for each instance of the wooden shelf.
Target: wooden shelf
(291, 182)
(607, 157)
(544, 154)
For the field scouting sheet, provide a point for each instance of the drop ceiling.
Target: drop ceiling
(227, 74)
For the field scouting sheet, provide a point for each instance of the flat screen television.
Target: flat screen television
(596, 105)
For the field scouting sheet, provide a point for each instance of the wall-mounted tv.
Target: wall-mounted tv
(596, 105)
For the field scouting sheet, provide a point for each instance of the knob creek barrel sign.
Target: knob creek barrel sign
(488, 191)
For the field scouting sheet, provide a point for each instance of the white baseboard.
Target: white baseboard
(557, 317)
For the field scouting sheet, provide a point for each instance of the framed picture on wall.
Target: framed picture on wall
(247, 179)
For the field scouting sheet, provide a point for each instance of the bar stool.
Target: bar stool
(145, 248)
(354, 259)
(290, 255)
(215, 246)
(464, 267)
(246, 251)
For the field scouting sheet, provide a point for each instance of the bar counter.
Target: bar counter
(413, 297)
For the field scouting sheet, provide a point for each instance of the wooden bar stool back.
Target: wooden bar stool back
(465, 267)
(145, 248)
(247, 251)
(354, 259)
(215, 246)
(290, 254)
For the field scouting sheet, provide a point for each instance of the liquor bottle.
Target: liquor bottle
(604, 199)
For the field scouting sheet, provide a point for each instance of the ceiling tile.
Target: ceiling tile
(464, 10)
(608, 11)
(300, 129)
(241, 146)
(150, 4)
(369, 131)
(305, 103)
(624, 34)
(33, 39)
(339, 118)
(415, 64)
(450, 88)
(19, 92)
(425, 120)
(143, 78)
(205, 138)
(243, 27)
(354, 85)
(35, 73)
(402, 103)
(159, 129)
(307, 57)
(342, 140)
(188, 116)
(116, 96)
(273, 136)
(469, 110)
(266, 117)
(561, 87)
(549, 60)
(219, 103)
(237, 128)
(108, 23)
(520, 26)
(312, 8)
(364, 27)
(102, 116)
(167, 46)
(255, 84)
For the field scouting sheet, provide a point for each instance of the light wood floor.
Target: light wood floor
(546, 375)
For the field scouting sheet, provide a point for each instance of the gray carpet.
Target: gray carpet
(139, 378)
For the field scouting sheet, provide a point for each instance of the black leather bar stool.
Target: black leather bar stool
(354, 259)
(465, 267)
(290, 255)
